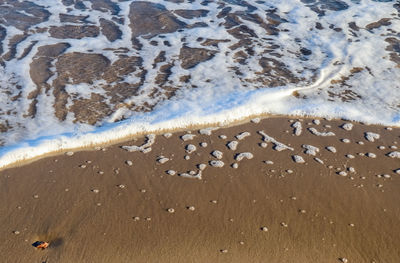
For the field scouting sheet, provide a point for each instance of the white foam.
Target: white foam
(221, 96)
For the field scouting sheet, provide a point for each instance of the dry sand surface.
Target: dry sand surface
(280, 203)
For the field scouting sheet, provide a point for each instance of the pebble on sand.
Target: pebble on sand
(345, 140)
(298, 159)
(241, 156)
(217, 154)
(162, 159)
(215, 163)
(224, 251)
(264, 228)
(191, 208)
(331, 149)
(128, 162)
(371, 136)
(235, 165)
(171, 172)
(171, 210)
(344, 260)
(347, 126)
(232, 145)
(190, 148)
(203, 144)
(187, 137)
(242, 135)
(69, 153)
(136, 218)
(201, 166)
(96, 191)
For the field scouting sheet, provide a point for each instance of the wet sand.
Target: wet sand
(96, 206)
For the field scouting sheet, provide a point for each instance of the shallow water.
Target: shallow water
(71, 67)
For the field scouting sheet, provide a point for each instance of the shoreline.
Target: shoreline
(21, 161)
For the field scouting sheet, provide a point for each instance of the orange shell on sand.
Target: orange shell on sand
(41, 244)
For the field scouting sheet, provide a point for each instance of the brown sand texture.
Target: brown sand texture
(289, 190)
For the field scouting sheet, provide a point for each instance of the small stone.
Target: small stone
(386, 176)
(171, 210)
(224, 251)
(136, 218)
(263, 145)
(191, 208)
(121, 186)
(69, 153)
(371, 155)
(289, 171)
(214, 201)
(268, 162)
(130, 163)
(203, 144)
(223, 137)
(82, 166)
(148, 218)
(241, 242)
(344, 260)
(171, 172)
(143, 190)
(16, 232)
(96, 191)
(284, 224)
(302, 211)
(100, 172)
(217, 154)
(264, 228)
(201, 166)
(342, 173)
(345, 140)
(186, 157)
(36, 196)
(235, 165)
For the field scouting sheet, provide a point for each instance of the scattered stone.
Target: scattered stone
(144, 148)
(16, 232)
(344, 260)
(318, 160)
(208, 131)
(371, 155)
(96, 191)
(167, 135)
(235, 165)
(371, 136)
(122, 186)
(381, 147)
(242, 135)
(360, 143)
(268, 162)
(136, 218)
(186, 157)
(387, 176)
(284, 224)
(350, 156)
(394, 147)
(100, 172)
(162, 159)
(289, 171)
(187, 137)
(214, 201)
(202, 166)
(394, 154)
(192, 175)
(317, 133)
(69, 153)
(342, 173)
(217, 154)
(264, 228)
(264, 145)
(351, 169)
(347, 126)
(171, 172)
(224, 251)
(215, 163)
(190, 148)
(83, 166)
(298, 159)
(232, 145)
(397, 171)
(171, 210)
(331, 149)
(345, 140)
(36, 196)
(203, 144)
(130, 163)
(278, 145)
(223, 137)
(143, 191)
(310, 150)
(241, 156)
(297, 128)
(148, 218)
(191, 208)
(302, 211)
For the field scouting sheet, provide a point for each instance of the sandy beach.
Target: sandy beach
(289, 190)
